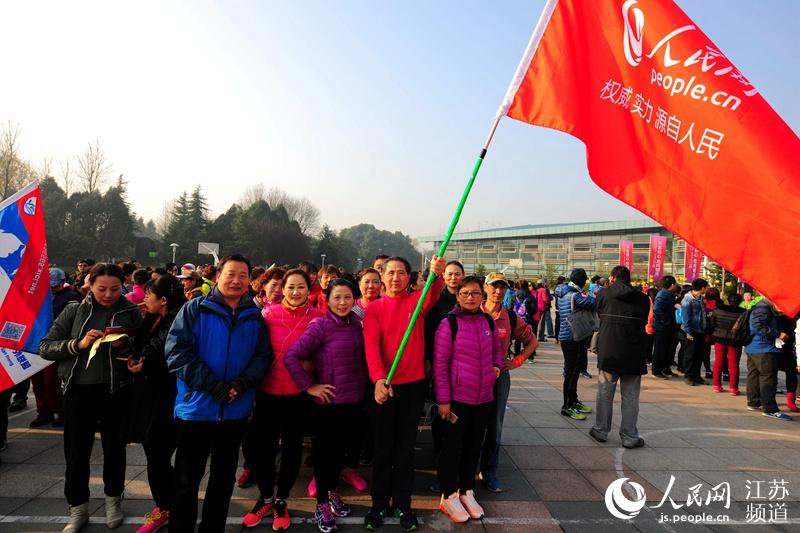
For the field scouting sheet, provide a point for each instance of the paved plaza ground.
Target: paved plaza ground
(556, 476)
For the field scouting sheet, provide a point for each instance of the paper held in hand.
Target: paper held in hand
(110, 337)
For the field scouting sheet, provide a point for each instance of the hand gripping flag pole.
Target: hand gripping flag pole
(515, 82)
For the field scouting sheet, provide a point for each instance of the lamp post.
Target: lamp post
(174, 247)
(323, 256)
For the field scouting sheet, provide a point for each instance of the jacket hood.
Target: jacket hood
(621, 291)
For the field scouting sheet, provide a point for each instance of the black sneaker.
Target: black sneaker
(408, 520)
(18, 405)
(637, 444)
(41, 420)
(374, 519)
(596, 436)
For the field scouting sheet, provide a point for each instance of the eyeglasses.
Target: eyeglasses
(470, 294)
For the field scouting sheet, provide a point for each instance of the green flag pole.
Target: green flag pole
(442, 250)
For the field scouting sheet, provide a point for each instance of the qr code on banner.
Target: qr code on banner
(12, 331)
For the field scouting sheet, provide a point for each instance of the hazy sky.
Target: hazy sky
(375, 110)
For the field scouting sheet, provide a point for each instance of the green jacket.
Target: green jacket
(61, 342)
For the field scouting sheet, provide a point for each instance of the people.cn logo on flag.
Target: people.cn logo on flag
(30, 206)
(619, 505)
(632, 38)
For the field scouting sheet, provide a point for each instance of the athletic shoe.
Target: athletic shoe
(247, 479)
(312, 488)
(734, 392)
(338, 507)
(374, 518)
(491, 482)
(326, 522)
(638, 444)
(408, 520)
(670, 373)
(154, 520)
(471, 505)
(18, 405)
(280, 516)
(718, 389)
(777, 415)
(573, 414)
(596, 436)
(586, 374)
(260, 510)
(585, 409)
(662, 375)
(352, 477)
(41, 420)
(453, 507)
(753, 407)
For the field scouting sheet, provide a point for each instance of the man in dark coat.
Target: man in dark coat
(622, 351)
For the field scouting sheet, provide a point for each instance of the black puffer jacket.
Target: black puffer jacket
(723, 317)
(622, 341)
(61, 342)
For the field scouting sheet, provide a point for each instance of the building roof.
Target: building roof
(537, 230)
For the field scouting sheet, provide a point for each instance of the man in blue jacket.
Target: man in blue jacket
(664, 328)
(218, 348)
(693, 324)
(762, 360)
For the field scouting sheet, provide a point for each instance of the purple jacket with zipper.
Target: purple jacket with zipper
(336, 347)
(463, 369)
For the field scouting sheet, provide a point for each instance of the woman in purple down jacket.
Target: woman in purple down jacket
(467, 359)
(335, 344)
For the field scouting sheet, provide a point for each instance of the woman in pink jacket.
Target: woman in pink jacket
(467, 359)
(282, 408)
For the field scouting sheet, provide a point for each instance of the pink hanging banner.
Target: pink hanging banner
(626, 254)
(658, 251)
(692, 263)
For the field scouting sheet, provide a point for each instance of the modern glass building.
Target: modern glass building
(554, 249)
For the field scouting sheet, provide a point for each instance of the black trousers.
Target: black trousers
(575, 361)
(5, 401)
(693, 355)
(461, 447)
(197, 440)
(335, 430)
(249, 445)
(159, 445)
(279, 423)
(663, 351)
(762, 381)
(395, 429)
(88, 408)
(787, 362)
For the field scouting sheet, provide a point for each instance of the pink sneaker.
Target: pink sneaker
(312, 488)
(719, 389)
(154, 520)
(734, 392)
(352, 477)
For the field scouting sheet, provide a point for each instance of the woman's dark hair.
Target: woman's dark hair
(307, 267)
(141, 276)
(456, 263)
(267, 276)
(106, 269)
(734, 299)
(340, 282)
(168, 287)
(297, 272)
(161, 271)
(256, 273)
(713, 294)
(329, 269)
(466, 280)
(414, 278)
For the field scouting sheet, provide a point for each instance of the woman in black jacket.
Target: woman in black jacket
(723, 317)
(96, 382)
(153, 422)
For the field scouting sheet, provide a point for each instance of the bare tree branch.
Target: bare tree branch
(93, 169)
(67, 178)
(9, 159)
(300, 210)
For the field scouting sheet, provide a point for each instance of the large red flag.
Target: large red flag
(671, 128)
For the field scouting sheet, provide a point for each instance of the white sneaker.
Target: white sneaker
(472, 507)
(451, 506)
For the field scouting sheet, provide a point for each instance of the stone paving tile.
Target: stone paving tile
(601, 479)
(9, 505)
(512, 419)
(537, 457)
(787, 458)
(694, 459)
(95, 481)
(562, 485)
(29, 481)
(21, 449)
(522, 437)
(547, 420)
(589, 516)
(567, 437)
(660, 480)
(594, 458)
(741, 459)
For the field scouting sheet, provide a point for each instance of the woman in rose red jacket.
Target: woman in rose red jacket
(282, 408)
(335, 344)
(467, 359)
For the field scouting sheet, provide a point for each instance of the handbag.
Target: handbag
(583, 322)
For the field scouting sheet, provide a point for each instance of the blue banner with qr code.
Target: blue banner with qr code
(26, 310)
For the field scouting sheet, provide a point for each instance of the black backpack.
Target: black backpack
(741, 329)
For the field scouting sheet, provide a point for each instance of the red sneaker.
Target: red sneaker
(280, 518)
(352, 477)
(153, 521)
(260, 510)
(247, 479)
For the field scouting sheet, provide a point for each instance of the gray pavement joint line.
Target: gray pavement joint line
(25, 412)
(621, 471)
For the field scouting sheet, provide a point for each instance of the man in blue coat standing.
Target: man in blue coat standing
(762, 360)
(218, 348)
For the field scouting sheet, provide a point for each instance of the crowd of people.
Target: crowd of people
(196, 363)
